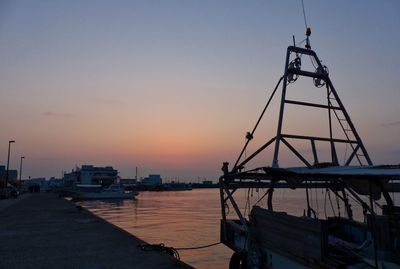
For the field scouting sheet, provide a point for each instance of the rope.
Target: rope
(160, 248)
(316, 201)
(301, 42)
(345, 152)
(313, 62)
(258, 122)
(247, 202)
(200, 247)
(311, 196)
(326, 215)
(330, 201)
(262, 197)
(338, 204)
(171, 250)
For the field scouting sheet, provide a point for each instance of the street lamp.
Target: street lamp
(20, 170)
(8, 159)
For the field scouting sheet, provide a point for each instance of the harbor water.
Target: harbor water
(183, 219)
(176, 218)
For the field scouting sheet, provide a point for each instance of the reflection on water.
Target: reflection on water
(192, 218)
(177, 219)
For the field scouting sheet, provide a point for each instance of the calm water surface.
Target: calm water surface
(175, 218)
(192, 218)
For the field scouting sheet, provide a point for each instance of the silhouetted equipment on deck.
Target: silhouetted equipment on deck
(277, 240)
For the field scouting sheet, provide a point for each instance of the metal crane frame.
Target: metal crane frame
(272, 177)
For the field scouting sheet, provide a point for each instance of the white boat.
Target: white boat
(114, 191)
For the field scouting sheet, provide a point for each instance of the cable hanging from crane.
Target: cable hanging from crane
(304, 14)
(308, 29)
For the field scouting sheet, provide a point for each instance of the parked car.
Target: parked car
(9, 192)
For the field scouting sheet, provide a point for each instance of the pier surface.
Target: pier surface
(45, 231)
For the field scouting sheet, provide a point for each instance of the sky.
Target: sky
(172, 87)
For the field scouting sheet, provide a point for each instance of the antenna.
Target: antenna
(308, 29)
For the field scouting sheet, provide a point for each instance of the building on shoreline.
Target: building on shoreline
(91, 175)
(12, 174)
(152, 180)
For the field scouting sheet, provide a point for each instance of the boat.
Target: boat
(266, 238)
(97, 192)
(173, 186)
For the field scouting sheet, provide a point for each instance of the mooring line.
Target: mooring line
(200, 247)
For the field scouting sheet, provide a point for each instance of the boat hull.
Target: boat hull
(102, 196)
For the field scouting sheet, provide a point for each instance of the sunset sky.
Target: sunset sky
(173, 86)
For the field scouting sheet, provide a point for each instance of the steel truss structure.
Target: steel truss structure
(340, 178)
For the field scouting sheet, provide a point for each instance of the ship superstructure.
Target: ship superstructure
(270, 239)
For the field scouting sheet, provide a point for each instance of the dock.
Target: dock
(46, 231)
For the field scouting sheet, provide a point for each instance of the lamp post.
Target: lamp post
(8, 159)
(20, 170)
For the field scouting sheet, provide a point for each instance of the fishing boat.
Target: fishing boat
(267, 238)
(97, 192)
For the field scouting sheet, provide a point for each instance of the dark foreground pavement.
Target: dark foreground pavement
(44, 231)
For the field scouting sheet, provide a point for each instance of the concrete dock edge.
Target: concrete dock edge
(45, 231)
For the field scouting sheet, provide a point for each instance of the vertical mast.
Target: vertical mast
(275, 162)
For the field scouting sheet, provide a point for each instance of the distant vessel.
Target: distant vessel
(174, 186)
(96, 192)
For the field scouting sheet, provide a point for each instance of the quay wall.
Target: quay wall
(45, 231)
